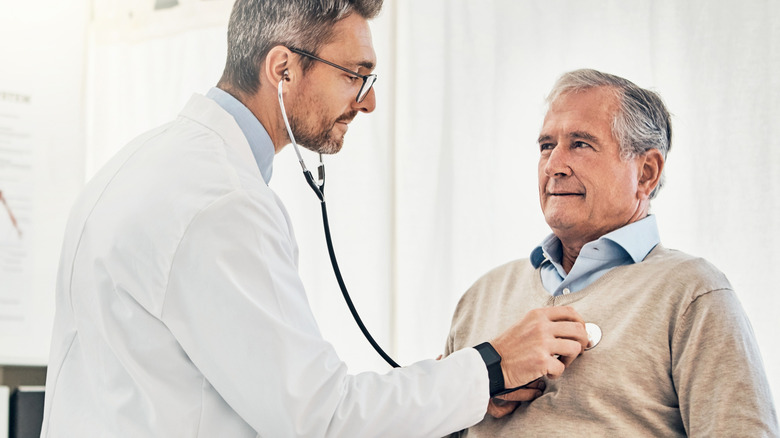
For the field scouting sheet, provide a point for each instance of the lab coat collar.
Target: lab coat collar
(259, 141)
(209, 113)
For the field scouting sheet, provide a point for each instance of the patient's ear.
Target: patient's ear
(651, 165)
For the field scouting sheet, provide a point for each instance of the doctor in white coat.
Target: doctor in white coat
(179, 308)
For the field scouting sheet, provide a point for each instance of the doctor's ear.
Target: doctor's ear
(277, 67)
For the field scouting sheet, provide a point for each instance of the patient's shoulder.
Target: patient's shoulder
(686, 271)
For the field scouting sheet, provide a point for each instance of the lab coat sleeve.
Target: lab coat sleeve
(238, 308)
(718, 372)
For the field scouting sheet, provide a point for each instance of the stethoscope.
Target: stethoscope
(593, 330)
(319, 189)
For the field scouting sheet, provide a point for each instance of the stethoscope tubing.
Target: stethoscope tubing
(319, 190)
(345, 293)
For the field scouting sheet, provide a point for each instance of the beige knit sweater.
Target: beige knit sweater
(677, 356)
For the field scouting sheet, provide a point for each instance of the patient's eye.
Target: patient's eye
(579, 144)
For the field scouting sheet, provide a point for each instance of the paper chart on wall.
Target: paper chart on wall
(16, 202)
(41, 163)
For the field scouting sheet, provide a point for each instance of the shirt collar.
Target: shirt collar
(542, 253)
(637, 239)
(256, 135)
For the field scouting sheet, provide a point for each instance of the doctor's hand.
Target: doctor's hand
(543, 343)
(506, 404)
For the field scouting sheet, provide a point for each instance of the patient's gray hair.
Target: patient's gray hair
(256, 26)
(642, 121)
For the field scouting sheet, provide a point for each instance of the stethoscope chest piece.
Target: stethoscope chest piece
(594, 335)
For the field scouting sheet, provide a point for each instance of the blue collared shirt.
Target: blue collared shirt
(258, 138)
(624, 246)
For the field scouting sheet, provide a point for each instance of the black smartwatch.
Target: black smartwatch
(493, 363)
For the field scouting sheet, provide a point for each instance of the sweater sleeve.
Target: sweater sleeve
(718, 371)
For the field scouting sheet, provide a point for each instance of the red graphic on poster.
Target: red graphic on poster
(10, 214)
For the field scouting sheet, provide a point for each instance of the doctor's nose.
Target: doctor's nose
(368, 104)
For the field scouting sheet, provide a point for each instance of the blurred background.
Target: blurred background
(434, 188)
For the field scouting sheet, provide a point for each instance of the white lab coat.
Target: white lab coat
(180, 311)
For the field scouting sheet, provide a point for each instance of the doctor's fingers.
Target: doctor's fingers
(554, 367)
(574, 331)
(498, 408)
(526, 393)
(560, 313)
(563, 352)
(506, 403)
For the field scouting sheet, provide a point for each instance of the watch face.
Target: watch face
(489, 354)
(492, 356)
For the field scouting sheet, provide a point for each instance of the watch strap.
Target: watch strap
(493, 363)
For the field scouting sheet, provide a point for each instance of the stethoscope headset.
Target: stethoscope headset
(319, 189)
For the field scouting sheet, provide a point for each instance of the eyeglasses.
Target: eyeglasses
(368, 80)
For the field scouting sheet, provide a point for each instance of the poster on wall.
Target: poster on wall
(41, 163)
(16, 200)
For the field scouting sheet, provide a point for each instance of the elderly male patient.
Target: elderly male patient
(677, 355)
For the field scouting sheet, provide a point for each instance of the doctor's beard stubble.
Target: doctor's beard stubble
(321, 138)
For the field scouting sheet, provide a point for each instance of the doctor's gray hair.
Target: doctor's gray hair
(256, 26)
(642, 121)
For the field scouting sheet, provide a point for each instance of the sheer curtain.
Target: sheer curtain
(471, 81)
(439, 184)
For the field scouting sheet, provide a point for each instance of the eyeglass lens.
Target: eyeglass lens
(368, 82)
